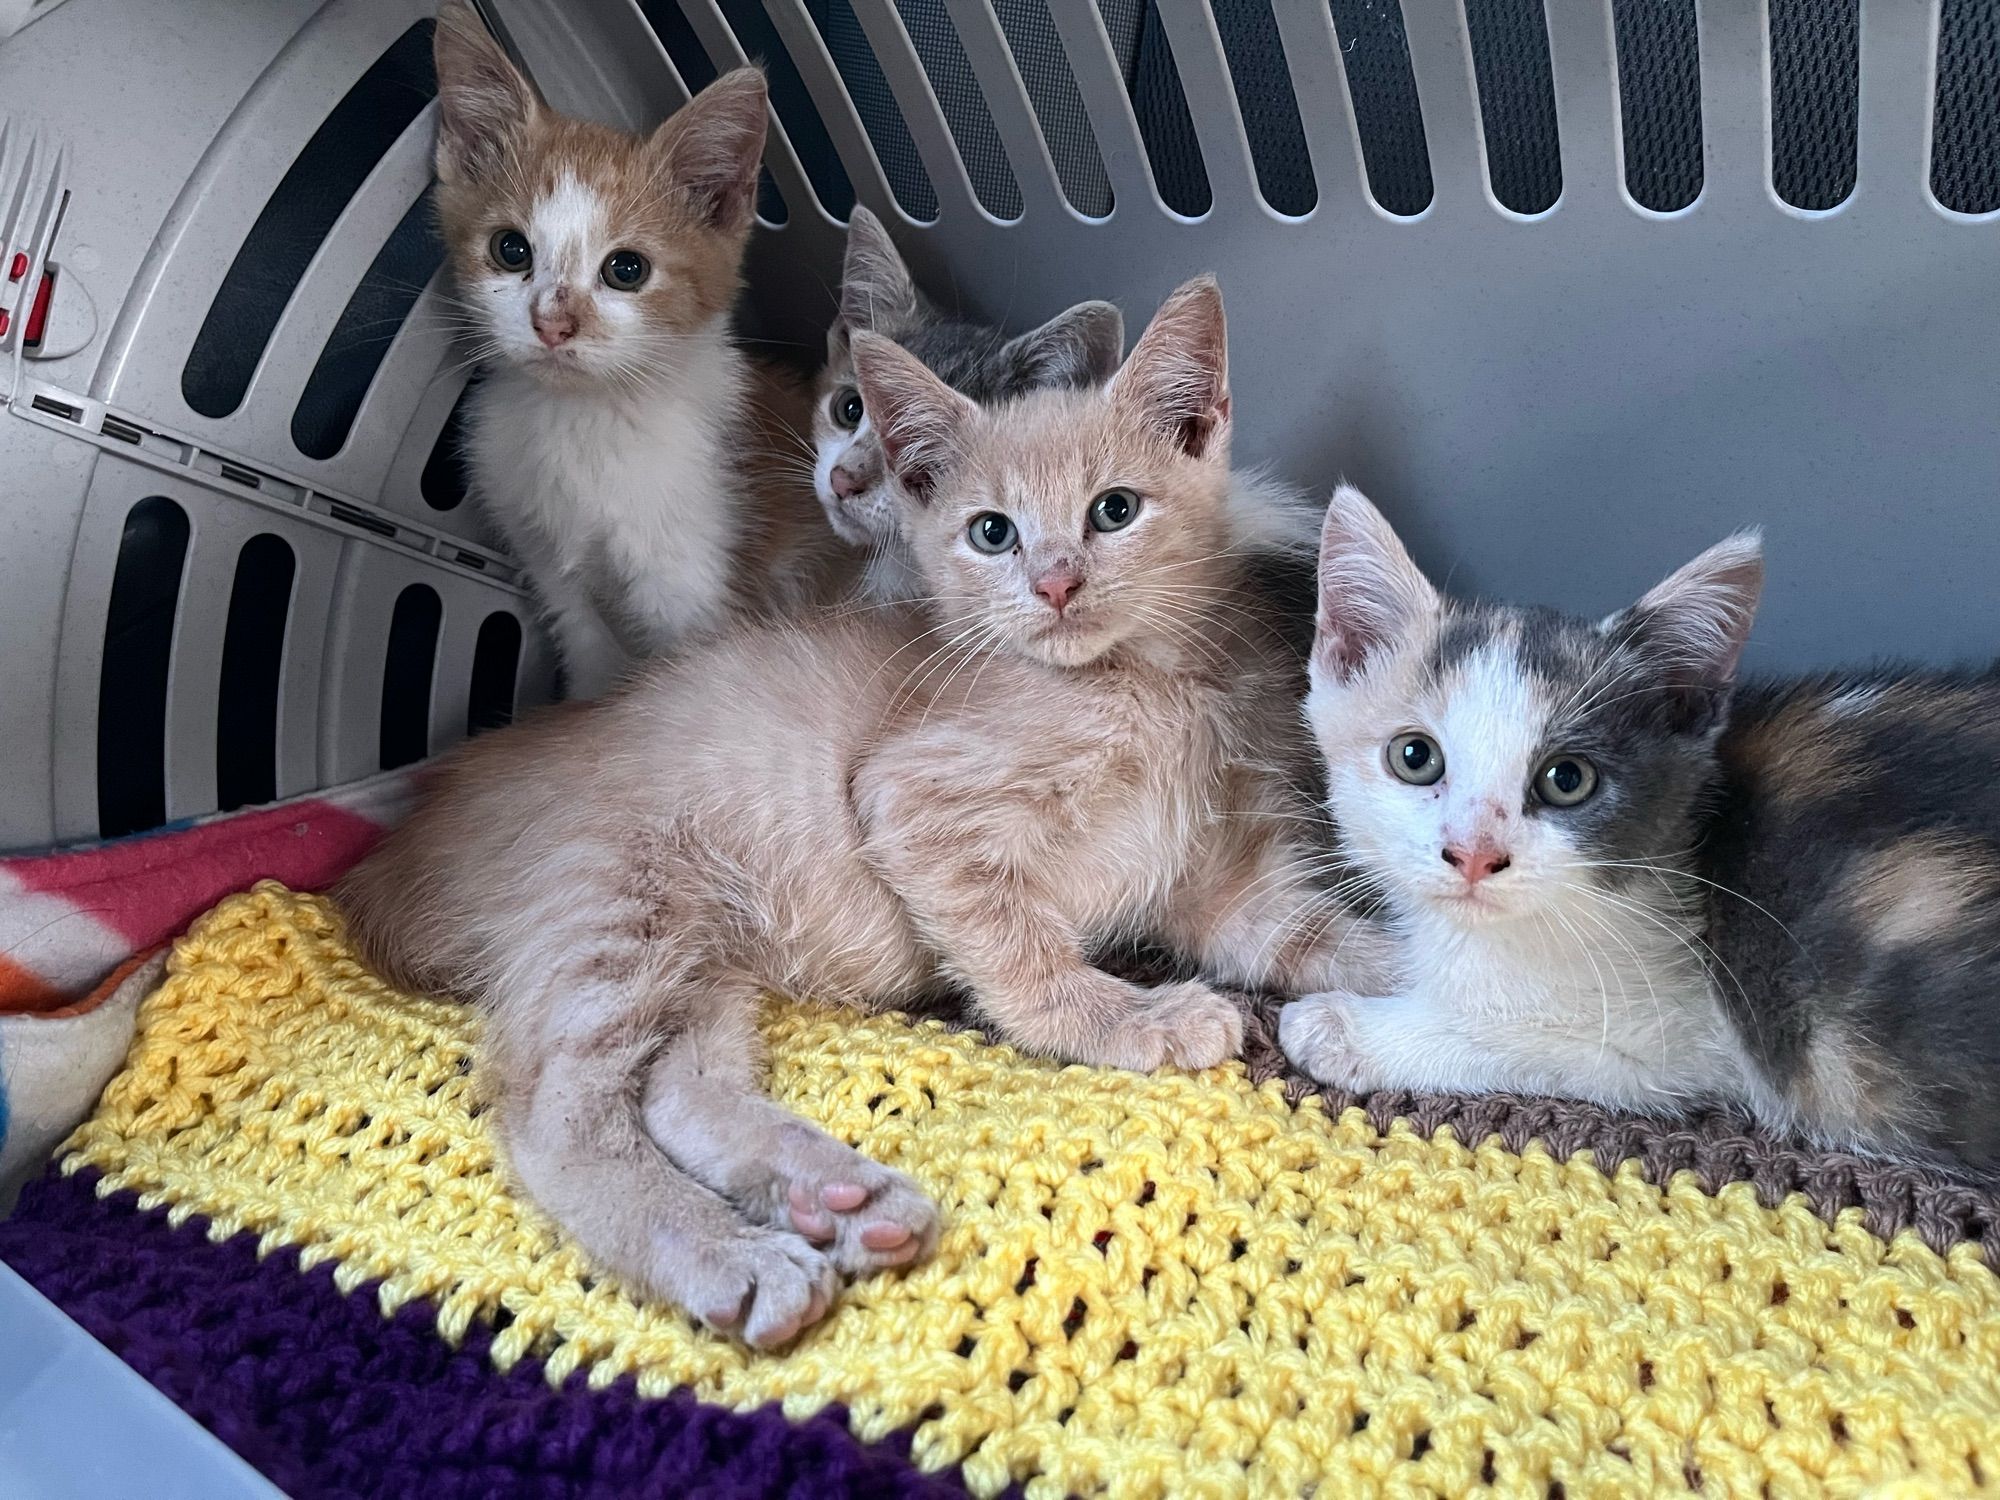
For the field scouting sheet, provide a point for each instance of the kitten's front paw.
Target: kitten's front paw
(1363, 960)
(1316, 1034)
(1186, 1025)
(763, 1286)
(868, 1216)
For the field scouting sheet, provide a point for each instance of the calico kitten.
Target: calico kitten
(596, 271)
(1618, 880)
(1073, 745)
(1079, 347)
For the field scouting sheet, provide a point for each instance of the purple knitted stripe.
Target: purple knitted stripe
(329, 1398)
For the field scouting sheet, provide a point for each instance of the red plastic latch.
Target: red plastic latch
(19, 266)
(3, 322)
(38, 315)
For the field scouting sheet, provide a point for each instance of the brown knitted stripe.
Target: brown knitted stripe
(1717, 1146)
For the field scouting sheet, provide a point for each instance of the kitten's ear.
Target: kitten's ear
(1177, 377)
(483, 99)
(1697, 622)
(919, 418)
(710, 147)
(1371, 595)
(877, 292)
(1078, 347)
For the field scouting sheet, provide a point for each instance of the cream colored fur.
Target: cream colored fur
(866, 807)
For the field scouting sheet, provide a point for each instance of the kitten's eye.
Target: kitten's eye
(510, 250)
(1415, 758)
(845, 408)
(990, 532)
(1113, 510)
(1565, 780)
(625, 270)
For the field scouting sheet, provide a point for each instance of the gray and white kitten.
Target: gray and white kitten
(1077, 348)
(1618, 879)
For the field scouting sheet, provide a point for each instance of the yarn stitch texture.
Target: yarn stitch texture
(1146, 1285)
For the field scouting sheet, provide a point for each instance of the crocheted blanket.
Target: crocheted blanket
(286, 1211)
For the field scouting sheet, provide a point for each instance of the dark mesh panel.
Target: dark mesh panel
(1264, 96)
(138, 656)
(407, 668)
(1164, 124)
(1045, 74)
(964, 106)
(1965, 145)
(298, 217)
(1815, 99)
(1376, 54)
(848, 45)
(496, 658)
(1659, 84)
(368, 325)
(253, 664)
(1517, 102)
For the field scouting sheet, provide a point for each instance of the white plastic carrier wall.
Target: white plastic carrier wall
(1572, 287)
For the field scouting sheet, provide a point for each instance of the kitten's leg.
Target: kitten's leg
(987, 858)
(1416, 1042)
(1255, 913)
(702, 1104)
(594, 660)
(1002, 932)
(567, 1093)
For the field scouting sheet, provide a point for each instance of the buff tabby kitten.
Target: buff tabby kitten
(1620, 876)
(1081, 346)
(1075, 743)
(613, 437)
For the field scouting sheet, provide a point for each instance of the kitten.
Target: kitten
(1080, 347)
(1072, 746)
(596, 269)
(1618, 880)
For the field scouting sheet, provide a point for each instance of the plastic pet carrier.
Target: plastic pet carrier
(1570, 287)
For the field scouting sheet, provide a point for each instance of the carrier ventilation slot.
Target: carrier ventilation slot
(1263, 85)
(407, 669)
(1659, 90)
(1517, 102)
(1375, 53)
(496, 662)
(54, 408)
(138, 660)
(299, 215)
(758, 39)
(1965, 131)
(124, 432)
(847, 44)
(1154, 82)
(253, 659)
(368, 325)
(237, 474)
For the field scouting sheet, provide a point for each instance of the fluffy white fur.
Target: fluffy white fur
(619, 500)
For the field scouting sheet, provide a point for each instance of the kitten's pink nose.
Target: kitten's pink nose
(1058, 586)
(1478, 862)
(845, 485)
(554, 328)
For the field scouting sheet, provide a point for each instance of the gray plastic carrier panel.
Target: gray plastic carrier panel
(1557, 406)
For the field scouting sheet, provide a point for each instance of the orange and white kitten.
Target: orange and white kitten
(1081, 743)
(595, 270)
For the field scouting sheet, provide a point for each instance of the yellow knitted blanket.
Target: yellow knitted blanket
(1146, 1285)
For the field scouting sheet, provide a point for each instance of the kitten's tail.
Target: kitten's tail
(1270, 517)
